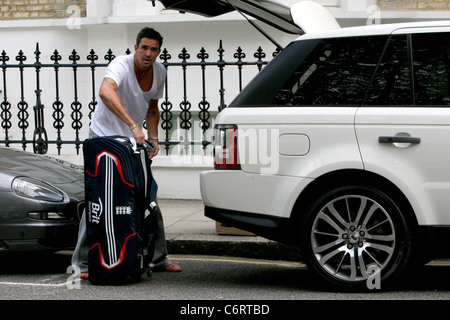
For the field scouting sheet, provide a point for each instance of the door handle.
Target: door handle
(398, 139)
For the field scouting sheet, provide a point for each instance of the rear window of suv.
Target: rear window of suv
(398, 70)
(337, 72)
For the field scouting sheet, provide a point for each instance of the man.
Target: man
(129, 95)
(130, 91)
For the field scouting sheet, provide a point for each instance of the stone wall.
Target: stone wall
(41, 9)
(414, 5)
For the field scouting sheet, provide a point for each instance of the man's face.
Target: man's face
(147, 52)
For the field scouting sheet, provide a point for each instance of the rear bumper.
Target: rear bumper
(434, 241)
(266, 195)
(270, 227)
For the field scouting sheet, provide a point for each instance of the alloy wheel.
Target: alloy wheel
(352, 237)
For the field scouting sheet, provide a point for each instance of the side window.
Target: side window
(337, 72)
(391, 84)
(430, 55)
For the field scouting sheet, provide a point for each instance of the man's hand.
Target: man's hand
(152, 119)
(138, 135)
(155, 149)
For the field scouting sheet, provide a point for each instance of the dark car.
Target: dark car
(41, 201)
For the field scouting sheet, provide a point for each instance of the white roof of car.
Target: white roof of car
(378, 29)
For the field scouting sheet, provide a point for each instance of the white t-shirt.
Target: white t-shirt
(135, 101)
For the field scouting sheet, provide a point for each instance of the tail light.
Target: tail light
(225, 147)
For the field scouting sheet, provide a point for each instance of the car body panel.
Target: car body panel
(273, 181)
(332, 150)
(327, 134)
(311, 17)
(21, 232)
(291, 16)
(264, 194)
(205, 8)
(420, 170)
(16, 162)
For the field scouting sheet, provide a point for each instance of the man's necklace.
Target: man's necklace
(141, 73)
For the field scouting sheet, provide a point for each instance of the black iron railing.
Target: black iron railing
(16, 114)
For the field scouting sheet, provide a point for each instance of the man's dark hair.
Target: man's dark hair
(149, 33)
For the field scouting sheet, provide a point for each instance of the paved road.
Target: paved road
(204, 278)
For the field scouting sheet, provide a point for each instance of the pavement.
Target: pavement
(188, 231)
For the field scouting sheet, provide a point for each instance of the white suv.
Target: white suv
(342, 146)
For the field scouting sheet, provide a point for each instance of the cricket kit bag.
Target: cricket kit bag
(120, 215)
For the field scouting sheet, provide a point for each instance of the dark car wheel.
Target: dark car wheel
(353, 234)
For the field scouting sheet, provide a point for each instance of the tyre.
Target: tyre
(353, 234)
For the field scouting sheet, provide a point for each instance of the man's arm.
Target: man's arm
(109, 96)
(152, 120)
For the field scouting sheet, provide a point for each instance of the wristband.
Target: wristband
(135, 126)
(153, 138)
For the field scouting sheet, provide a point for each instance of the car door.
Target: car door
(403, 129)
